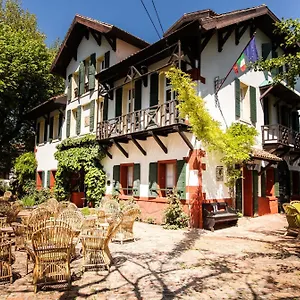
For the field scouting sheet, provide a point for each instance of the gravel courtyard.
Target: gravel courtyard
(251, 261)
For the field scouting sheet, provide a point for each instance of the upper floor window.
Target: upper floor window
(170, 94)
(40, 132)
(244, 99)
(73, 122)
(130, 100)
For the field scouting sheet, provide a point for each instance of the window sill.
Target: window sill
(55, 141)
(83, 95)
(41, 144)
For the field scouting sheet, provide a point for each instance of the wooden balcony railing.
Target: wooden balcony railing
(279, 134)
(151, 118)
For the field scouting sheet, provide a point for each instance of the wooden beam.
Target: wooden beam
(223, 36)
(184, 137)
(96, 36)
(206, 40)
(112, 42)
(239, 31)
(138, 145)
(159, 142)
(106, 151)
(87, 34)
(125, 153)
(294, 159)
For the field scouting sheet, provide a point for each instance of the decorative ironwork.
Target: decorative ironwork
(141, 120)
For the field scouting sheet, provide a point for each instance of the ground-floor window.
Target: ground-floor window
(126, 175)
(40, 177)
(166, 176)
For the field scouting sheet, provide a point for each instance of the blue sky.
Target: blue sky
(55, 16)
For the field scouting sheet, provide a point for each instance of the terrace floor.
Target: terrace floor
(251, 261)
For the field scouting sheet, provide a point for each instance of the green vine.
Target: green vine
(80, 155)
(235, 143)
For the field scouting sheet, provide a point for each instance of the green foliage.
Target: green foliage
(37, 197)
(25, 169)
(85, 211)
(234, 144)
(25, 80)
(175, 218)
(28, 200)
(77, 155)
(3, 187)
(150, 220)
(289, 31)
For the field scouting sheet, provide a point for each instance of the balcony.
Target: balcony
(160, 119)
(280, 135)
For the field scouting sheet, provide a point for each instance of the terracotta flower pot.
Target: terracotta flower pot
(78, 199)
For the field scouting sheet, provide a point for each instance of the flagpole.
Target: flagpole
(216, 92)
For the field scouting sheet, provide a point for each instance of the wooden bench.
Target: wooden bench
(218, 212)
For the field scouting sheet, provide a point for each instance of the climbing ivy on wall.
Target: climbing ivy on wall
(235, 143)
(77, 155)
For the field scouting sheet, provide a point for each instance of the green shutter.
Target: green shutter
(153, 179)
(38, 129)
(136, 179)
(105, 108)
(51, 129)
(68, 125)
(92, 115)
(274, 71)
(253, 113)
(60, 124)
(78, 120)
(46, 130)
(116, 178)
(180, 178)
(48, 178)
(266, 49)
(263, 186)
(92, 71)
(138, 95)
(69, 92)
(43, 179)
(237, 98)
(276, 183)
(153, 89)
(119, 95)
(107, 59)
(81, 76)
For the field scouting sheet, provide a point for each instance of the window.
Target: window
(86, 118)
(75, 83)
(73, 122)
(166, 176)
(100, 64)
(169, 93)
(52, 178)
(130, 101)
(40, 179)
(40, 132)
(126, 178)
(245, 103)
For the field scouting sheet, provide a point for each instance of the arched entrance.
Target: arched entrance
(284, 182)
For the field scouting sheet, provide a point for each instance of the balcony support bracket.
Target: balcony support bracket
(138, 145)
(159, 142)
(125, 153)
(106, 151)
(184, 137)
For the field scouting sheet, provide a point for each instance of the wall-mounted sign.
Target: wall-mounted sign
(219, 173)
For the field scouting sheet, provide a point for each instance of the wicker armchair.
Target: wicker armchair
(66, 204)
(293, 218)
(100, 216)
(125, 231)
(6, 259)
(52, 205)
(296, 204)
(52, 248)
(95, 243)
(3, 222)
(15, 208)
(20, 235)
(5, 208)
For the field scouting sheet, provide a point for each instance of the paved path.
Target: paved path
(252, 261)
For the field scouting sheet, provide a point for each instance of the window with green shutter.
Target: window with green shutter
(181, 178)
(136, 179)
(78, 120)
(253, 113)
(153, 89)
(107, 59)
(51, 128)
(60, 124)
(92, 71)
(92, 115)
(118, 109)
(81, 78)
(46, 129)
(138, 95)
(43, 179)
(68, 123)
(237, 98)
(153, 186)
(105, 108)
(38, 129)
(48, 178)
(116, 178)
(69, 92)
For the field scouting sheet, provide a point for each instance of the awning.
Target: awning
(264, 155)
(280, 90)
(58, 102)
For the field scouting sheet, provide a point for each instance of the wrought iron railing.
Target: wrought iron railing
(141, 120)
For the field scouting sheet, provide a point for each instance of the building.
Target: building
(132, 109)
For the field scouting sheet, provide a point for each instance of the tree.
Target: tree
(25, 80)
(289, 32)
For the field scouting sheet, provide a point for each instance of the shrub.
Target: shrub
(175, 218)
(85, 211)
(3, 187)
(28, 200)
